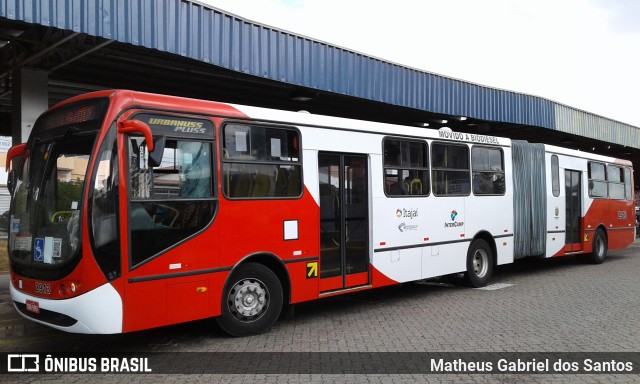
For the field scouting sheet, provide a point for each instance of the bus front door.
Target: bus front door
(344, 221)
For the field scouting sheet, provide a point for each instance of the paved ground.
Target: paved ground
(543, 306)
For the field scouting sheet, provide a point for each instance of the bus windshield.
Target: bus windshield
(45, 240)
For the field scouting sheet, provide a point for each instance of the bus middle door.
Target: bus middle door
(344, 220)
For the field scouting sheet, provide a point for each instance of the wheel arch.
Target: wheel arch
(604, 229)
(271, 261)
(592, 234)
(486, 236)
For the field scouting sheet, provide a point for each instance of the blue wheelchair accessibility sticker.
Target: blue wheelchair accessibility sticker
(38, 249)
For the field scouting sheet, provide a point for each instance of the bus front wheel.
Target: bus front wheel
(479, 264)
(251, 301)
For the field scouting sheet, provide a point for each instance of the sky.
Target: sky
(581, 53)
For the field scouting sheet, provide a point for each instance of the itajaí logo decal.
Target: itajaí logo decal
(410, 213)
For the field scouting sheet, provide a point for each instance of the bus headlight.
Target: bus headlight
(69, 287)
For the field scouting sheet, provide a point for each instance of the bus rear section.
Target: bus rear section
(599, 206)
(570, 203)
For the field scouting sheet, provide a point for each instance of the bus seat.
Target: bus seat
(281, 182)
(140, 219)
(416, 187)
(241, 185)
(465, 187)
(397, 188)
(293, 183)
(261, 186)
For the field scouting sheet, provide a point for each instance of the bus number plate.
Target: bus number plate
(33, 306)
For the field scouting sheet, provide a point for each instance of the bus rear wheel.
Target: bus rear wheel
(600, 247)
(251, 301)
(479, 264)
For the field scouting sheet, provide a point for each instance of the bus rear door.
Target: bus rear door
(573, 196)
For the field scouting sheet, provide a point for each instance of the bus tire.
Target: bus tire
(479, 264)
(600, 246)
(251, 301)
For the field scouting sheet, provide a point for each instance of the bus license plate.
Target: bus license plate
(33, 306)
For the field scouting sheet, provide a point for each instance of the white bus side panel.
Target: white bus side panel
(400, 225)
(493, 214)
(310, 173)
(446, 230)
(323, 139)
(400, 265)
(444, 259)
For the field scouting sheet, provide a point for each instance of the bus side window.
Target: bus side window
(555, 176)
(406, 167)
(627, 184)
(488, 171)
(597, 180)
(195, 169)
(450, 169)
(261, 162)
(615, 180)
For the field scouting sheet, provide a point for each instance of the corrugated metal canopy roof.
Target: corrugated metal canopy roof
(195, 31)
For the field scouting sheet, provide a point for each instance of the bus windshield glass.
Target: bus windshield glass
(44, 241)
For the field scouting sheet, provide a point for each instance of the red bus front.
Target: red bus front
(52, 282)
(114, 229)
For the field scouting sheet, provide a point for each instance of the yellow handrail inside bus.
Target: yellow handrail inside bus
(60, 216)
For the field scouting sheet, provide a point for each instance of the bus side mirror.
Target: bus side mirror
(155, 155)
(137, 126)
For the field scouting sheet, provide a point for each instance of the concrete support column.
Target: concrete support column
(30, 98)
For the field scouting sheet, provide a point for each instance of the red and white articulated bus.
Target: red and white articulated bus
(131, 210)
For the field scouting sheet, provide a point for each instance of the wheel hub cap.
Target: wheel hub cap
(480, 260)
(248, 299)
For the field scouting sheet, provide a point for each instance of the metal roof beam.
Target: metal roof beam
(40, 53)
(81, 55)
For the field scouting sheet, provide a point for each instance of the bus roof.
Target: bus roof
(123, 99)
